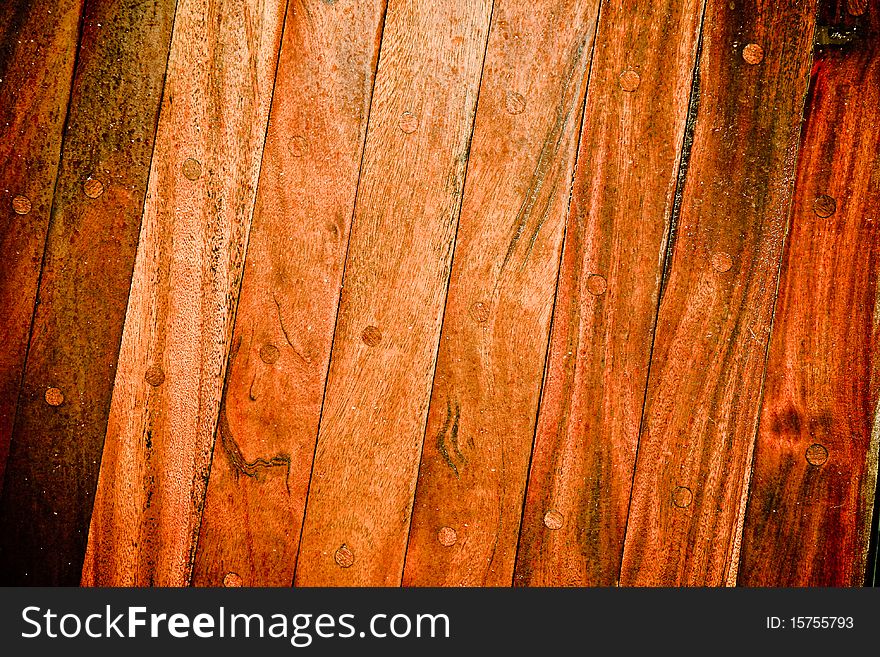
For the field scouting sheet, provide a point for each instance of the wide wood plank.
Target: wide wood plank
(62, 413)
(575, 512)
(484, 401)
(395, 282)
(37, 50)
(187, 274)
(703, 396)
(812, 491)
(287, 310)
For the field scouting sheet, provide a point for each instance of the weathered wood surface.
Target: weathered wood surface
(395, 282)
(535, 293)
(62, 412)
(707, 366)
(475, 459)
(187, 273)
(813, 482)
(38, 42)
(287, 310)
(606, 304)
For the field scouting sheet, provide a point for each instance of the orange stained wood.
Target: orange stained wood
(395, 282)
(813, 483)
(84, 285)
(606, 304)
(704, 388)
(494, 338)
(186, 279)
(460, 292)
(37, 49)
(287, 309)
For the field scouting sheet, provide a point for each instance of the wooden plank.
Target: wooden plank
(484, 402)
(287, 310)
(575, 512)
(37, 51)
(62, 413)
(813, 482)
(196, 219)
(395, 281)
(716, 309)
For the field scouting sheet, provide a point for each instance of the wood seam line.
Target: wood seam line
(682, 168)
(736, 552)
(141, 214)
(37, 425)
(681, 177)
(45, 241)
(546, 366)
(792, 502)
(449, 278)
(342, 279)
(487, 378)
(315, 563)
(194, 543)
(586, 433)
(668, 544)
(169, 561)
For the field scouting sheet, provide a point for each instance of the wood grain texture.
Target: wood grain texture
(395, 282)
(186, 279)
(56, 450)
(38, 43)
(484, 401)
(634, 124)
(287, 310)
(813, 482)
(715, 314)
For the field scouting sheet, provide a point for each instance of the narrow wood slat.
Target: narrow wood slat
(56, 449)
(812, 491)
(199, 204)
(395, 281)
(37, 51)
(484, 401)
(707, 365)
(287, 310)
(575, 512)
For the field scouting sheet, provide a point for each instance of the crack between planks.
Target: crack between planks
(197, 526)
(549, 343)
(342, 286)
(140, 226)
(871, 560)
(73, 79)
(49, 222)
(735, 558)
(681, 177)
(446, 295)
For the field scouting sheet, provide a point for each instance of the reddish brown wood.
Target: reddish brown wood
(716, 310)
(812, 490)
(196, 219)
(662, 379)
(37, 51)
(396, 275)
(284, 325)
(56, 444)
(484, 402)
(575, 512)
